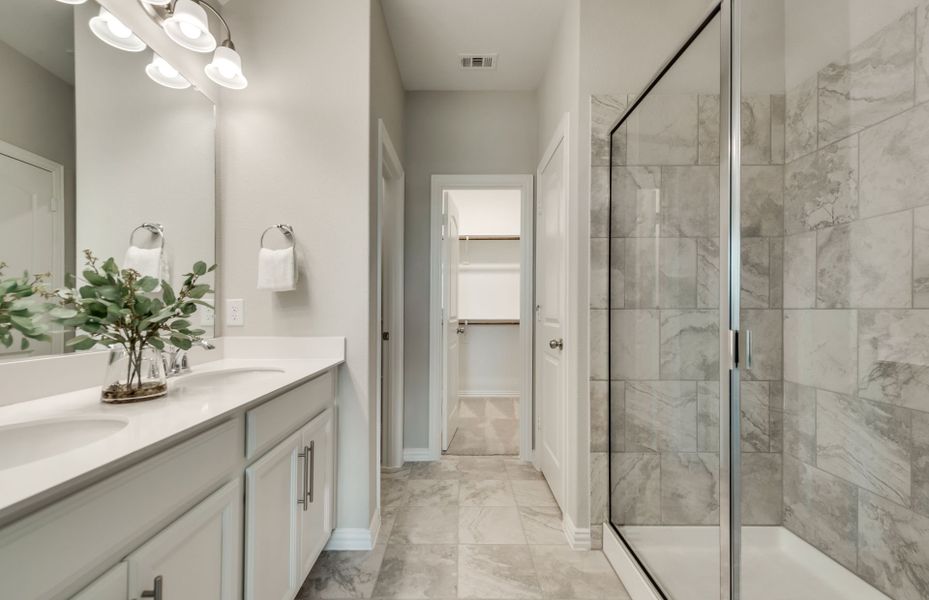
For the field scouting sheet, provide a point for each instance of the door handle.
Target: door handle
(312, 452)
(305, 455)
(460, 329)
(156, 592)
(556, 344)
(748, 348)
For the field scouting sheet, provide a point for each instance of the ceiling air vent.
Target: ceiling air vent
(477, 61)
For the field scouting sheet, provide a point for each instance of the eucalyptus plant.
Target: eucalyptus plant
(119, 307)
(22, 307)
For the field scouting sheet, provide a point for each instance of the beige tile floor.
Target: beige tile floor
(466, 527)
(486, 427)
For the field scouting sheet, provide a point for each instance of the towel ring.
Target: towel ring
(156, 229)
(285, 229)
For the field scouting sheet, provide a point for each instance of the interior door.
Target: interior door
(27, 227)
(551, 293)
(452, 326)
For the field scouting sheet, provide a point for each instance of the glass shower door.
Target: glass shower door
(664, 326)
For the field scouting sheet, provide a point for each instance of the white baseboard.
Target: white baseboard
(356, 538)
(487, 394)
(578, 539)
(636, 582)
(417, 455)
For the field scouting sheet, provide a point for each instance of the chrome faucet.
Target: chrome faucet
(176, 362)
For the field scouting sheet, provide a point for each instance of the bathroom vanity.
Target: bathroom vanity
(224, 489)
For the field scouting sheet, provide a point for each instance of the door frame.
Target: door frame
(57, 172)
(389, 174)
(525, 184)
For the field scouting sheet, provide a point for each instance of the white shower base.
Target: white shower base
(776, 565)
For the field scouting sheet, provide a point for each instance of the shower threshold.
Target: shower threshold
(776, 565)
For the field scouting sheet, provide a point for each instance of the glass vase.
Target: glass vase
(133, 375)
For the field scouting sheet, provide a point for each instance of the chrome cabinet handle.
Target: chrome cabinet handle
(155, 593)
(312, 452)
(305, 455)
(556, 344)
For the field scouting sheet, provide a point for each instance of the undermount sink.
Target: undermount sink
(34, 440)
(224, 377)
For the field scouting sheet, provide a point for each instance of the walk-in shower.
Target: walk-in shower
(773, 180)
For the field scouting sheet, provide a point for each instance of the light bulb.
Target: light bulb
(188, 26)
(161, 72)
(114, 32)
(118, 29)
(226, 68)
(189, 30)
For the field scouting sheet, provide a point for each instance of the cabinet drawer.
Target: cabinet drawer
(277, 418)
(57, 549)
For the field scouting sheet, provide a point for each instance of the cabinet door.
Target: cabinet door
(112, 585)
(317, 510)
(197, 556)
(273, 487)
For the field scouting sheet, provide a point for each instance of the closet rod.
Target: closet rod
(490, 321)
(477, 238)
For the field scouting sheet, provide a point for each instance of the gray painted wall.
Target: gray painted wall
(450, 133)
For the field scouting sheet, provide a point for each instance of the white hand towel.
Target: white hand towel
(277, 270)
(147, 262)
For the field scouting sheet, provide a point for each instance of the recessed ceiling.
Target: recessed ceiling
(43, 31)
(429, 35)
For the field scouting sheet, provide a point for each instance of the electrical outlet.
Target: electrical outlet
(207, 316)
(235, 313)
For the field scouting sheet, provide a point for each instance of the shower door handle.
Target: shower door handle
(748, 348)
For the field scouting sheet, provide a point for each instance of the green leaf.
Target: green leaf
(62, 313)
(148, 284)
(94, 278)
(157, 343)
(82, 342)
(211, 269)
(199, 291)
(180, 324)
(167, 293)
(180, 341)
(199, 268)
(110, 267)
(24, 344)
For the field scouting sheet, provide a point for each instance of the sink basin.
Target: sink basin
(34, 440)
(224, 377)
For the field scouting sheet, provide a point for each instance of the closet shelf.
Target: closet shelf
(478, 238)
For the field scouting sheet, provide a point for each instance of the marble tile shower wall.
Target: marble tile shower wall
(665, 278)
(856, 294)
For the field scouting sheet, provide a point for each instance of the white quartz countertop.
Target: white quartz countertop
(190, 407)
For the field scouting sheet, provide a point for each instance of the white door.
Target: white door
(452, 326)
(197, 556)
(551, 312)
(29, 228)
(272, 543)
(316, 517)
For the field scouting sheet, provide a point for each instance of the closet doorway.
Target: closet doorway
(481, 315)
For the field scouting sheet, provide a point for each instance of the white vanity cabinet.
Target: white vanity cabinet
(112, 585)
(197, 556)
(288, 511)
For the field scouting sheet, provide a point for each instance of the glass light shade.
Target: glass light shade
(157, 2)
(115, 33)
(226, 69)
(188, 27)
(161, 72)
(72, 1)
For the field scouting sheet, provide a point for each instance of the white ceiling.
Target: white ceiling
(428, 36)
(43, 31)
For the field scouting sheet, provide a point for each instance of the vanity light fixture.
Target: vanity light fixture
(115, 33)
(185, 22)
(161, 72)
(188, 26)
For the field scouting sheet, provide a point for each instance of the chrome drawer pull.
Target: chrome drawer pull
(305, 455)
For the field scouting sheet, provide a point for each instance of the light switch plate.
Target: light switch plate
(235, 313)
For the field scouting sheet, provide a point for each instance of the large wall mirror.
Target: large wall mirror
(95, 155)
